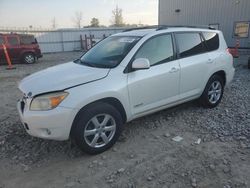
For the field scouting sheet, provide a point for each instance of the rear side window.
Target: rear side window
(1, 40)
(12, 41)
(157, 50)
(27, 40)
(189, 44)
(212, 40)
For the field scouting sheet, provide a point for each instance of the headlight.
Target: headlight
(47, 101)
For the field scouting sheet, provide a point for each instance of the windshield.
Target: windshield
(109, 52)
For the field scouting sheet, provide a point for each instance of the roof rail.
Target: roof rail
(145, 27)
(188, 26)
(162, 27)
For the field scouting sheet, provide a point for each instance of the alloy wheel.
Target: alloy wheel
(29, 59)
(214, 92)
(100, 130)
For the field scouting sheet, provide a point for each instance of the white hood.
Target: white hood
(60, 77)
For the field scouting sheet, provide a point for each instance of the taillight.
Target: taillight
(229, 51)
(233, 51)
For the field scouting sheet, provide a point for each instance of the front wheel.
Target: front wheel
(97, 128)
(213, 92)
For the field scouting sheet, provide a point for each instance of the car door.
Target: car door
(158, 85)
(194, 63)
(13, 47)
(212, 44)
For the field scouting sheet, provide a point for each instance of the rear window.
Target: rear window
(1, 40)
(212, 40)
(27, 40)
(189, 44)
(12, 41)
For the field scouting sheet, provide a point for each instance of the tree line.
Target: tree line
(116, 20)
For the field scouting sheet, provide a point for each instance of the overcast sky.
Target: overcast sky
(39, 13)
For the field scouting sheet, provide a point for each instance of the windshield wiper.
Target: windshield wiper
(92, 64)
(87, 63)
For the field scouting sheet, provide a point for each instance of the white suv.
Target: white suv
(123, 77)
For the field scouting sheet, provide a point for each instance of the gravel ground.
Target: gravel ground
(214, 152)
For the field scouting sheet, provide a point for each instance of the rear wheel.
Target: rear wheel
(29, 58)
(97, 128)
(213, 92)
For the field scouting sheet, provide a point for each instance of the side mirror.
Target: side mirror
(140, 63)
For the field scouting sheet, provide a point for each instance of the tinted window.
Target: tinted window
(212, 40)
(157, 50)
(189, 44)
(27, 40)
(12, 41)
(1, 40)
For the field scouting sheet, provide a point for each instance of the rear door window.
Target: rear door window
(189, 44)
(13, 41)
(27, 40)
(212, 40)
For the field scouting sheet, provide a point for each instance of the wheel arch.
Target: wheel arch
(203, 98)
(109, 100)
(222, 74)
(28, 52)
(117, 104)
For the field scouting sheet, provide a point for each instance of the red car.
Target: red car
(21, 47)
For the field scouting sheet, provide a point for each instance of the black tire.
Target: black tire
(29, 58)
(205, 97)
(84, 119)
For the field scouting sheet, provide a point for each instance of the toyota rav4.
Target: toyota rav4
(125, 76)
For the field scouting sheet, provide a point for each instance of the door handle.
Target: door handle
(173, 70)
